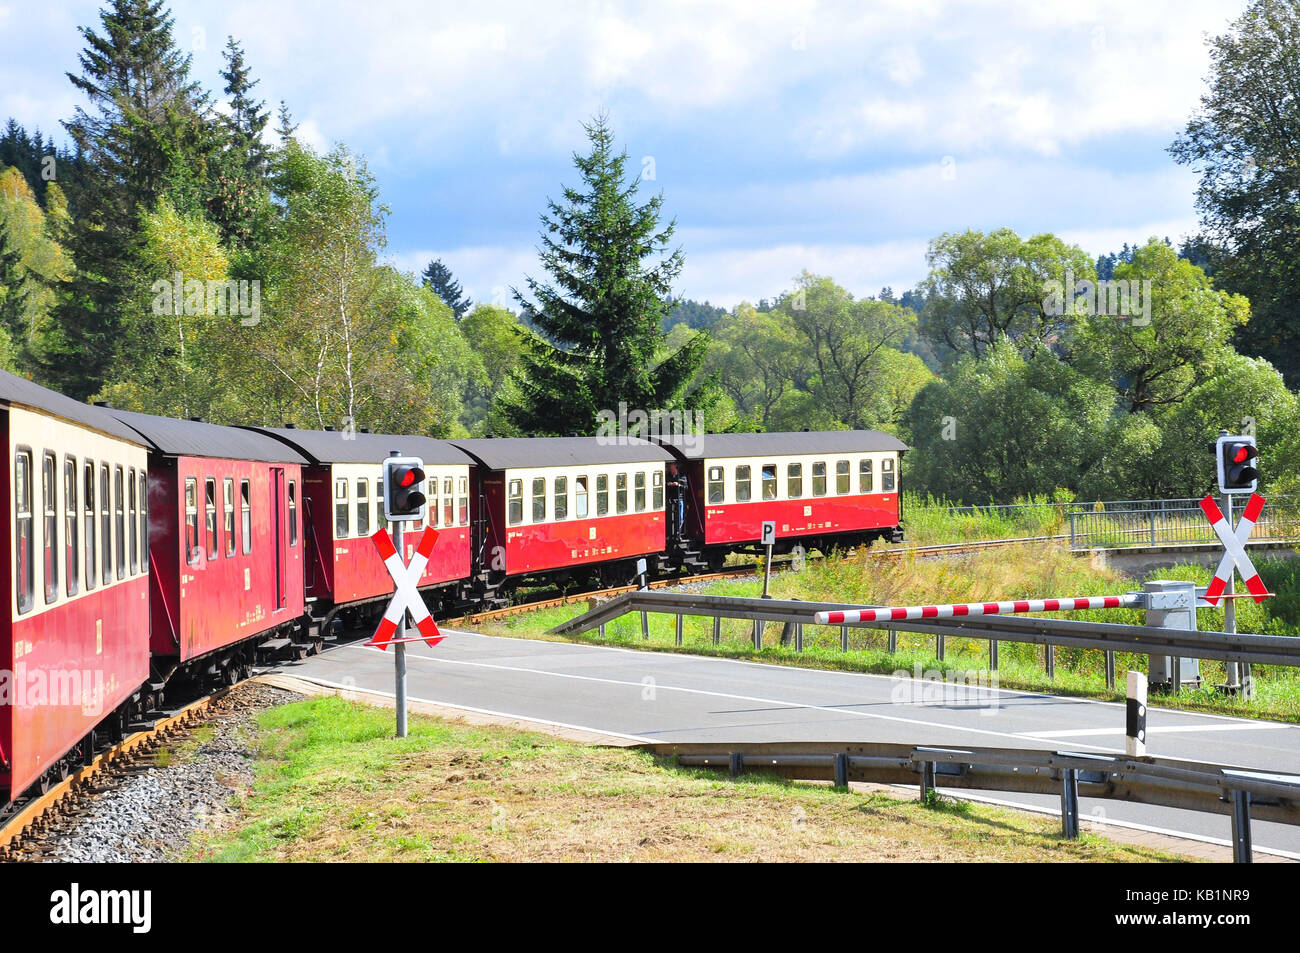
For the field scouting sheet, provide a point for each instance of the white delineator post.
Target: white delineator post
(1135, 730)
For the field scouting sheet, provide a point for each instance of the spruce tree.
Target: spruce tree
(601, 336)
(438, 278)
(147, 134)
(13, 285)
(240, 193)
(286, 126)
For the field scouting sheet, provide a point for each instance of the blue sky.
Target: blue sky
(836, 137)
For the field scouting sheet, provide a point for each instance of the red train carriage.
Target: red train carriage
(73, 647)
(565, 508)
(225, 545)
(821, 489)
(343, 495)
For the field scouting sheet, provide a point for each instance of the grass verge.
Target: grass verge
(335, 785)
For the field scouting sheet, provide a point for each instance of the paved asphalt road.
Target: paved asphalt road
(656, 696)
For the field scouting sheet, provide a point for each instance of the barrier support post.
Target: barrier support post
(1070, 803)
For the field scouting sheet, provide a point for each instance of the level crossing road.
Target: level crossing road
(667, 697)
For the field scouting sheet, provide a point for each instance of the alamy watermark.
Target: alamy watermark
(81, 688)
(208, 298)
(615, 429)
(953, 687)
(1117, 298)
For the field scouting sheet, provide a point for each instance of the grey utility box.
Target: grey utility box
(1171, 604)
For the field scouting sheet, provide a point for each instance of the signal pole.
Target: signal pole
(399, 657)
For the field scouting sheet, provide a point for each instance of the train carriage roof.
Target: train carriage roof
(505, 453)
(339, 446)
(198, 438)
(20, 391)
(723, 445)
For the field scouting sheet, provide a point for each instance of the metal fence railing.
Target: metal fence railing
(1106, 528)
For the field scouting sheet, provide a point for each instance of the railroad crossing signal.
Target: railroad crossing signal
(403, 500)
(1234, 542)
(1236, 463)
(407, 597)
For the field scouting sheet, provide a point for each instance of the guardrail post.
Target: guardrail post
(993, 655)
(798, 636)
(1110, 670)
(1171, 604)
(1241, 848)
(717, 630)
(927, 780)
(601, 629)
(645, 626)
(1070, 803)
(736, 763)
(939, 647)
(1049, 660)
(679, 628)
(893, 640)
(841, 770)
(758, 635)
(844, 638)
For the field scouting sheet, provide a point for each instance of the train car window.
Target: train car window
(561, 498)
(516, 500)
(134, 550)
(744, 484)
(106, 527)
(769, 481)
(580, 497)
(842, 479)
(819, 479)
(638, 485)
(602, 494)
(88, 520)
(717, 488)
(794, 480)
(228, 511)
(620, 493)
(119, 514)
(72, 553)
(866, 479)
(341, 508)
(448, 503)
(381, 521)
(23, 528)
(293, 513)
(464, 501)
(433, 501)
(210, 513)
(191, 520)
(363, 507)
(539, 499)
(657, 490)
(887, 475)
(246, 511)
(142, 490)
(50, 526)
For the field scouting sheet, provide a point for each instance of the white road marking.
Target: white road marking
(659, 686)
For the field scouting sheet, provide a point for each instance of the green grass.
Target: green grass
(333, 784)
(1025, 572)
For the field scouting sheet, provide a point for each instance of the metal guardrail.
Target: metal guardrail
(1110, 637)
(1152, 527)
(1163, 782)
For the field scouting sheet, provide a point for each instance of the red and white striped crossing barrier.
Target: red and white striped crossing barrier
(407, 596)
(1234, 541)
(908, 613)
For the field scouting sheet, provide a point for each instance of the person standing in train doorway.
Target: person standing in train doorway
(678, 487)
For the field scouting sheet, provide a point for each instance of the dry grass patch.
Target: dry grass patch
(334, 785)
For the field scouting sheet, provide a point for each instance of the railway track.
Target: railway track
(28, 819)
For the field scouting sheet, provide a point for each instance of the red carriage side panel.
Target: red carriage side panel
(164, 573)
(73, 644)
(230, 589)
(742, 522)
(539, 547)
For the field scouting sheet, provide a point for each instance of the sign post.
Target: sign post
(404, 503)
(768, 539)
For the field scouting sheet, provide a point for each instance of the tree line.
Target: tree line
(188, 255)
